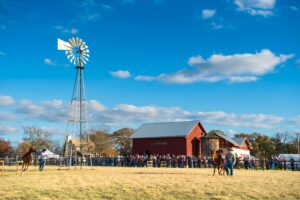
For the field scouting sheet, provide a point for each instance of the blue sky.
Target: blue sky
(232, 64)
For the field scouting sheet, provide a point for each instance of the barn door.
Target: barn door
(195, 147)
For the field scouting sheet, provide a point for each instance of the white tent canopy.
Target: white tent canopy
(287, 157)
(48, 153)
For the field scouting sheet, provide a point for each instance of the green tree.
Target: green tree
(278, 144)
(263, 147)
(122, 141)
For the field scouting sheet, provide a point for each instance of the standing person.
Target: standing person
(267, 164)
(230, 160)
(237, 163)
(42, 159)
(284, 164)
(246, 162)
(275, 162)
(292, 162)
(262, 163)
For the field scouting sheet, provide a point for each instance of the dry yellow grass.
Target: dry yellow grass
(148, 183)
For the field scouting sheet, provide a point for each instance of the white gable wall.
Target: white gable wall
(240, 152)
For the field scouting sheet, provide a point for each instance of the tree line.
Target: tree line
(104, 142)
(264, 146)
(119, 143)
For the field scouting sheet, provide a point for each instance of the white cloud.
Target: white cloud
(243, 120)
(7, 129)
(2, 53)
(106, 6)
(242, 79)
(294, 8)
(121, 74)
(55, 104)
(53, 131)
(128, 1)
(296, 120)
(208, 13)
(231, 132)
(95, 105)
(128, 115)
(158, 2)
(6, 100)
(195, 60)
(66, 30)
(49, 111)
(145, 78)
(216, 26)
(124, 114)
(90, 10)
(5, 116)
(233, 68)
(298, 62)
(48, 61)
(92, 16)
(256, 7)
(73, 31)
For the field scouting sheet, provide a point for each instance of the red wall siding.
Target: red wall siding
(245, 147)
(172, 145)
(195, 133)
(161, 146)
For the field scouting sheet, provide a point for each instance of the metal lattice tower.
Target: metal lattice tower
(77, 145)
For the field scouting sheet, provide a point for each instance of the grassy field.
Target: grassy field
(148, 183)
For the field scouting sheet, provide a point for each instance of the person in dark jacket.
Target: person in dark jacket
(292, 161)
(230, 161)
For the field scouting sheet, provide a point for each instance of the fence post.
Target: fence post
(2, 166)
(18, 164)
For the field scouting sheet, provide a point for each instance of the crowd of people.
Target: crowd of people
(183, 161)
(175, 161)
(272, 163)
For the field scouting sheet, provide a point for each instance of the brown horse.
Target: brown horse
(218, 162)
(27, 158)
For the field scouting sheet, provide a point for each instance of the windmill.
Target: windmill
(77, 144)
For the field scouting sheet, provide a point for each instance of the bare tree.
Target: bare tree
(103, 144)
(23, 148)
(37, 137)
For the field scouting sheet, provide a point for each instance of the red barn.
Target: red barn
(178, 138)
(183, 138)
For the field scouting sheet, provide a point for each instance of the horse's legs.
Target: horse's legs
(214, 169)
(23, 166)
(222, 170)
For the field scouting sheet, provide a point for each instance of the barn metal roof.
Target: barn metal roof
(239, 140)
(164, 129)
(226, 137)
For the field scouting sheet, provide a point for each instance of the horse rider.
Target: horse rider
(230, 160)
